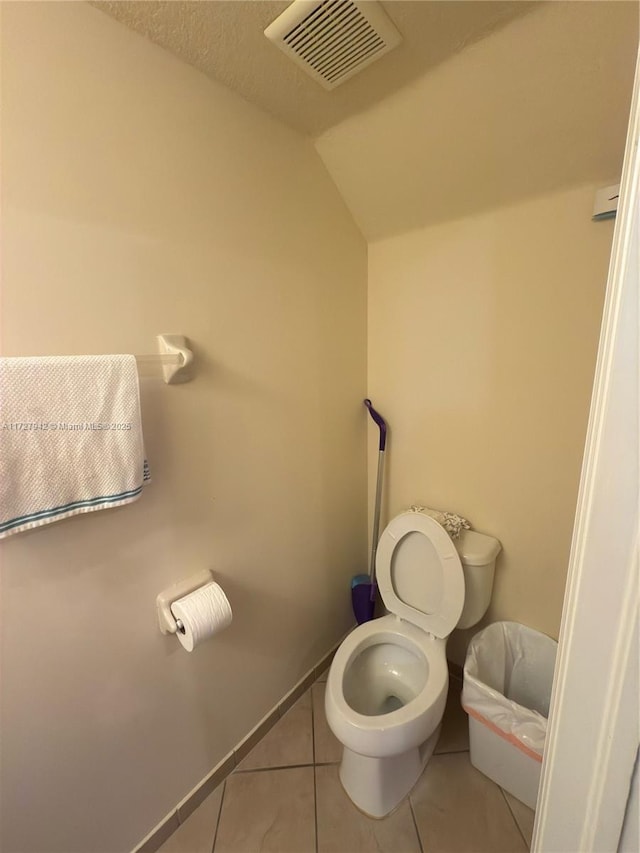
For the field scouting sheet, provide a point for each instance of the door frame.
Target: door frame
(593, 733)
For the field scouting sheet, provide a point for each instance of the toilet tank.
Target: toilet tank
(478, 554)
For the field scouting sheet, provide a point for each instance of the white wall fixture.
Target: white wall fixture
(180, 369)
(334, 39)
(165, 599)
(606, 202)
(194, 610)
(173, 356)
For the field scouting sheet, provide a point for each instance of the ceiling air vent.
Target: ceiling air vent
(334, 39)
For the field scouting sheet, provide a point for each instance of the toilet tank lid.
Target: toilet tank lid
(477, 549)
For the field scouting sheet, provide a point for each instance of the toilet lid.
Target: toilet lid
(419, 573)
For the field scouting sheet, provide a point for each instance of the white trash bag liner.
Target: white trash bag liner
(508, 675)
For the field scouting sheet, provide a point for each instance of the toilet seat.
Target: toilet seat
(378, 735)
(419, 573)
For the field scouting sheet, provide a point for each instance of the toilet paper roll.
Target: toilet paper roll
(203, 613)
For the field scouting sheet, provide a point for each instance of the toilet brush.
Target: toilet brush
(363, 587)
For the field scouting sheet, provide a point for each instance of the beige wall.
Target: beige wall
(139, 197)
(482, 343)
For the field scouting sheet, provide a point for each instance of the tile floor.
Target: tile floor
(285, 797)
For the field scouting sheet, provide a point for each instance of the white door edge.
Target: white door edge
(593, 733)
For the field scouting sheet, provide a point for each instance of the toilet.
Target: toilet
(387, 686)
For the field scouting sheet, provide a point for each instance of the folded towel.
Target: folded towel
(70, 438)
(453, 523)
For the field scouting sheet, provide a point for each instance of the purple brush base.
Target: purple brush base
(363, 599)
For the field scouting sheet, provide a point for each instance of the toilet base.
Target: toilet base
(377, 785)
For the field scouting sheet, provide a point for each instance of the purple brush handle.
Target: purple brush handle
(380, 422)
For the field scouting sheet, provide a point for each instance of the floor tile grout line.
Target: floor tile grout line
(237, 772)
(526, 843)
(268, 769)
(215, 832)
(415, 824)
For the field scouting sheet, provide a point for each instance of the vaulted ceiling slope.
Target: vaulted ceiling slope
(483, 104)
(537, 106)
(225, 39)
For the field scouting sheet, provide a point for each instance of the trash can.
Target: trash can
(506, 692)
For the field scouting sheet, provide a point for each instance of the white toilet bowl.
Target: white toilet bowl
(387, 686)
(384, 699)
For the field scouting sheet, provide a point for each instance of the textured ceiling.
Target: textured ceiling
(483, 103)
(225, 39)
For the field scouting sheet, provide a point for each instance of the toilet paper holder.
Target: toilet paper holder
(166, 620)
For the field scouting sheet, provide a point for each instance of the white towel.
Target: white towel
(70, 437)
(453, 523)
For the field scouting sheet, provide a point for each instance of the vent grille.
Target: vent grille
(334, 39)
